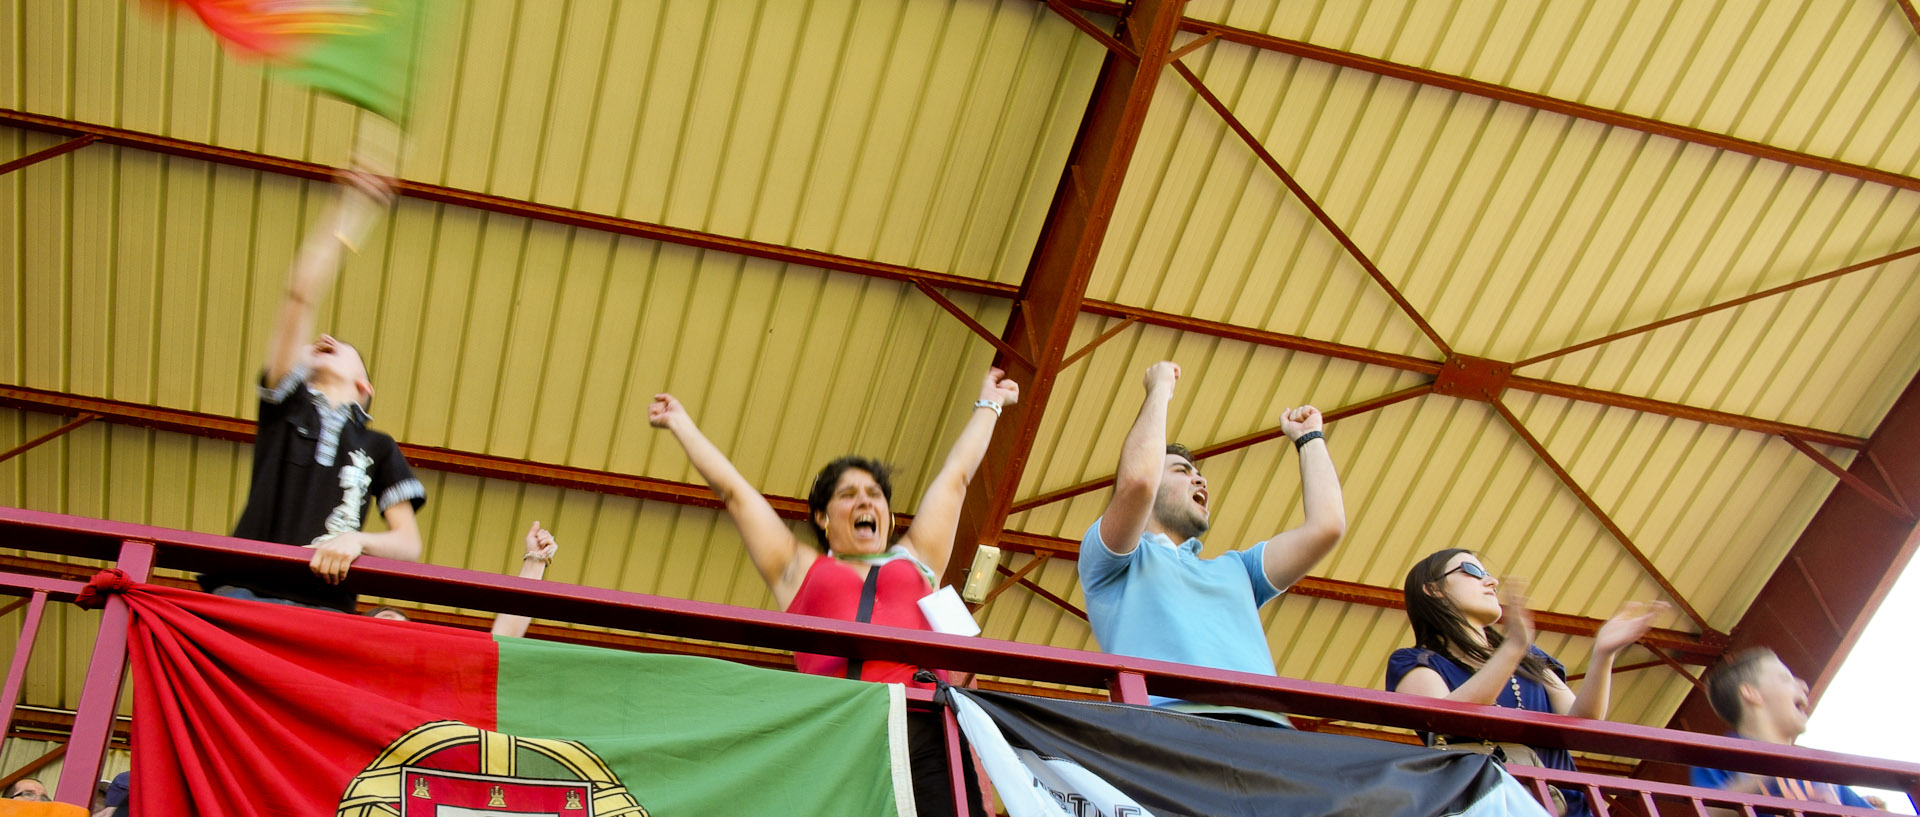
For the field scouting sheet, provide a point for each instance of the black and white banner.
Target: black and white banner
(1052, 758)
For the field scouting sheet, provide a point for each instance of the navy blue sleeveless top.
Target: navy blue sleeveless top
(1533, 698)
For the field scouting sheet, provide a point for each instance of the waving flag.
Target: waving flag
(359, 50)
(1051, 758)
(241, 708)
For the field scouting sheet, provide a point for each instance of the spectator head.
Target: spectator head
(1453, 611)
(388, 612)
(332, 360)
(1755, 692)
(27, 788)
(852, 503)
(1180, 505)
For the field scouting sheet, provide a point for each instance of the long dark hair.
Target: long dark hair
(829, 478)
(1438, 626)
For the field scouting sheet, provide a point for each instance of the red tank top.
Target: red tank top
(832, 590)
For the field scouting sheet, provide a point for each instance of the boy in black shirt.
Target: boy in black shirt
(316, 465)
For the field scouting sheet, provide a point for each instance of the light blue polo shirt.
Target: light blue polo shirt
(1164, 602)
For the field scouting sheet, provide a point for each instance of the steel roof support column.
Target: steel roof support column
(1056, 279)
(1852, 551)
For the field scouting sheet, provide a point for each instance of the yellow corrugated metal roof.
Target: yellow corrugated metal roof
(932, 133)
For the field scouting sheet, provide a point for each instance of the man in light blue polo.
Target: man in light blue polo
(1150, 595)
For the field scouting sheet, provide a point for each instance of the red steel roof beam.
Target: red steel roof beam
(1234, 444)
(37, 157)
(513, 207)
(1600, 514)
(1319, 214)
(47, 437)
(1056, 278)
(774, 252)
(1893, 506)
(1501, 93)
(1708, 310)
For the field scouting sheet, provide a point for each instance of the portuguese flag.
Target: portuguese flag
(241, 708)
(359, 50)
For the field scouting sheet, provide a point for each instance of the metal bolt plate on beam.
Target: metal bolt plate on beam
(1473, 378)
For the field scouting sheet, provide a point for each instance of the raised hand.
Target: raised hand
(1297, 421)
(1627, 626)
(1165, 373)
(1516, 621)
(540, 544)
(664, 410)
(997, 389)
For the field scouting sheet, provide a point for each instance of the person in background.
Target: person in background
(1453, 603)
(29, 789)
(1755, 693)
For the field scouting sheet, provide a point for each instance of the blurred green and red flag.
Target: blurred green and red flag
(359, 50)
(246, 709)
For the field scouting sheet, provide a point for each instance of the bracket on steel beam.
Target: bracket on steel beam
(1473, 378)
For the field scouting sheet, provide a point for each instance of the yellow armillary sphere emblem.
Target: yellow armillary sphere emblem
(450, 763)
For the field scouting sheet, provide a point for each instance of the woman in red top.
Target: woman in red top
(852, 520)
(852, 524)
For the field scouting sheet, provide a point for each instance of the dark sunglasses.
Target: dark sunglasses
(1472, 570)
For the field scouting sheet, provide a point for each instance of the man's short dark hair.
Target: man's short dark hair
(1724, 680)
(1183, 452)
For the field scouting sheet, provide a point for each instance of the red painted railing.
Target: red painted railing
(138, 549)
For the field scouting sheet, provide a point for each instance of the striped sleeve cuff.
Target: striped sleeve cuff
(293, 379)
(406, 489)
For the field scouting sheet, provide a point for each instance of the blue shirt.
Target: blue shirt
(1782, 787)
(1164, 602)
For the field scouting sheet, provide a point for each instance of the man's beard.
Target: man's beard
(1177, 514)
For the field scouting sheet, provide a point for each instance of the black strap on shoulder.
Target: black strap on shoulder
(868, 590)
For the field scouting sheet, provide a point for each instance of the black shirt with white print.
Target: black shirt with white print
(316, 470)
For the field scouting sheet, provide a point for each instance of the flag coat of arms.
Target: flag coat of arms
(1054, 758)
(242, 708)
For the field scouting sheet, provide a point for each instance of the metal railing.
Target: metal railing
(138, 549)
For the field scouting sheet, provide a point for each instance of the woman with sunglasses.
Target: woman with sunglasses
(1453, 604)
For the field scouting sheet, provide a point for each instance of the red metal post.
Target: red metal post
(956, 762)
(1129, 688)
(1062, 263)
(100, 698)
(22, 651)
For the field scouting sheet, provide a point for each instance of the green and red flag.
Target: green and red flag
(359, 50)
(241, 708)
